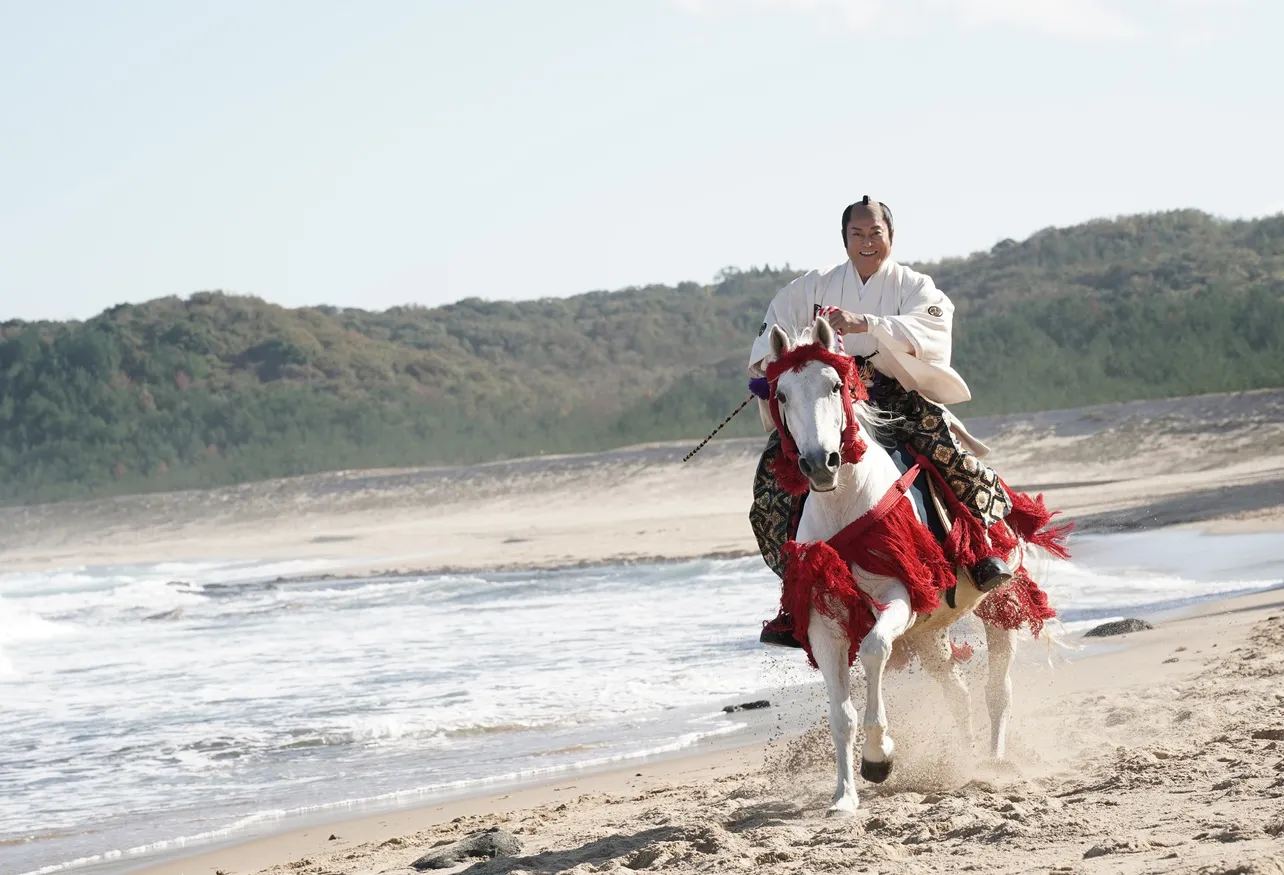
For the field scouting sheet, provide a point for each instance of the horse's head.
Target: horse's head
(812, 388)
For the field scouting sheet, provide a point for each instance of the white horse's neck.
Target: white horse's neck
(860, 487)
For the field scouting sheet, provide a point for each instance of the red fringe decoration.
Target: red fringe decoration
(890, 541)
(966, 543)
(900, 546)
(1020, 602)
(785, 465)
(1002, 539)
(795, 359)
(1029, 519)
(816, 576)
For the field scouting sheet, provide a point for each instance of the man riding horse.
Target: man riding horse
(897, 325)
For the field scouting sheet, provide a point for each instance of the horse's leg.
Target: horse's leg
(937, 657)
(829, 646)
(998, 687)
(876, 757)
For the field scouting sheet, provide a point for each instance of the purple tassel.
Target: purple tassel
(760, 387)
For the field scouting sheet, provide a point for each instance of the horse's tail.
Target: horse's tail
(1056, 640)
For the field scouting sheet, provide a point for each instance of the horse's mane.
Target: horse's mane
(873, 422)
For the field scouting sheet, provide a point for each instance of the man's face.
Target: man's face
(869, 241)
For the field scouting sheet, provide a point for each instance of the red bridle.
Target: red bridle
(785, 466)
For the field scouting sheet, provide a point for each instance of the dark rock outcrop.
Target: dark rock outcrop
(747, 706)
(494, 842)
(1118, 627)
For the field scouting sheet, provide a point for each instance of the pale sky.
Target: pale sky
(381, 153)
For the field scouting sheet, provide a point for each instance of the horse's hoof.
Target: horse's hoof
(875, 773)
(844, 809)
(1003, 767)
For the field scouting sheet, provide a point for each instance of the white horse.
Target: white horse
(812, 411)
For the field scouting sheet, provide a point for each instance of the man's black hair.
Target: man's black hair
(866, 202)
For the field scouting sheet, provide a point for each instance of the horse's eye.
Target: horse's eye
(837, 388)
(780, 397)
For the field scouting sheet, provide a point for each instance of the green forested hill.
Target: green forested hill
(218, 388)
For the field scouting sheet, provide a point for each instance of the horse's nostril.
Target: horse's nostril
(833, 460)
(804, 466)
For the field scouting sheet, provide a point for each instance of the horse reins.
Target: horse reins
(820, 311)
(722, 424)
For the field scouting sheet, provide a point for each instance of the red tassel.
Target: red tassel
(816, 576)
(1030, 518)
(900, 546)
(1020, 602)
(966, 543)
(785, 468)
(1002, 539)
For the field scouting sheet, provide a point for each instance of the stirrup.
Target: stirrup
(779, 632)
(990, 573)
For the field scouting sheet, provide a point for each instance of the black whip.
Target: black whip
(719, 428)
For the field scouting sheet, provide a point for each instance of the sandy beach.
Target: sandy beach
(1162, 751)
(1215, 461)
(1156, 752)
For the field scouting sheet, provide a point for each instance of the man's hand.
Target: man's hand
(847, 322)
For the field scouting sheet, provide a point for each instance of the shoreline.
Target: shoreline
(341, 812)
(714, 754)
(657, 512)
(307, 840)
(1218, 525)
(1209, 465)
(388, 836)
(1264, 517)
(1270, 519)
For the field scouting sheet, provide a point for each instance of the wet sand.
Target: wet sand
(1162, 751)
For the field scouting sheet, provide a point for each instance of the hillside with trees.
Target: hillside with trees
(218, 388)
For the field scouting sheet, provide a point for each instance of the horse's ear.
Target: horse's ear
(824, 334)
(779, 341)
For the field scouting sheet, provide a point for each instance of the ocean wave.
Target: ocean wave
(409, 735)
(1081, 593)
(250, 679)
(399, 797)
(19, 625)
(146, 586)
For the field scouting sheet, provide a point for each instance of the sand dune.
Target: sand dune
(1217, 461)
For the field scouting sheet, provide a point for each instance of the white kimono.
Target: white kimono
(910, 322)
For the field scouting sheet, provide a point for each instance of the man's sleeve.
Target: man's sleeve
(791, 310)
(923, 327)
